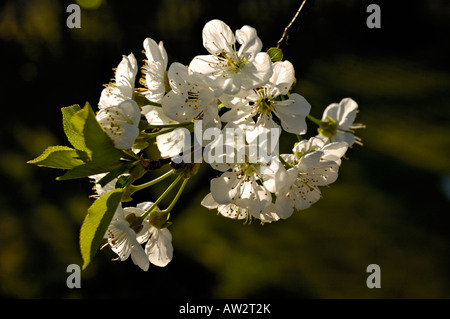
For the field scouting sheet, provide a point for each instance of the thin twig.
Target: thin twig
(290, 24)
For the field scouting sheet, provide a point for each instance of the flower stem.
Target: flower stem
(314, 120)
(150, 126)
(134, 188)
(290, 24)
(169, 128)
(177, 196)
(161, 197)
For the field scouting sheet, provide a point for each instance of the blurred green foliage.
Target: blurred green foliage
(389, 206)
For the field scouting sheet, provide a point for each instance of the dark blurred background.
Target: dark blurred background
(389, 206)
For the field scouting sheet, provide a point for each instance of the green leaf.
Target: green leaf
(88, 169)
(75, 138)
(125, 167)
(99, 146)
(62, 157)
(275, 54)
(96, 223)
(123, 181)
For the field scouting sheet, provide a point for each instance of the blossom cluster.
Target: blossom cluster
(238, 86)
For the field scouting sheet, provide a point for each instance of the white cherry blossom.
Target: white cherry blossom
(125, 237)
(246, 191)
(123, 84)
(159, 249)
(189, 99)
(267, 101)
(121, 123)
(227, 69)
(128, 231)
(238, 211)
(313, 164)
(173, 143)
(338, 123)
(155, 70)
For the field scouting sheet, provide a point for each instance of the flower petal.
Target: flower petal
(258, 72)
(155, 52)
(282, 78)
(176, 108)
(225, 188)
(173, 143)
(347, 113)
(218, 37)
(159, 247)
(250, 43)
(292, 113)
(155, 115)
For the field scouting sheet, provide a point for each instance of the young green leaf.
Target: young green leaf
(275, 54)
(96, 223)
(75, 138)
(61, 157)
(88, 169)
(125, 167)
(99, 146)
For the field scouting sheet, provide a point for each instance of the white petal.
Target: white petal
(126, 139)
(251, 44)
(218, 37)
(304, 196)
(159, 247)
(284, 206)
(331, 111)
(130, 111)
(334, 151)
(263, 140)
(110, 96)
(292, 174)
(348, 109)
(230, 84)
(255, 197)
(233, 211)
(121, 123)
(176, 108)
(225, 188)
(346, 137)
(209, 202)
(205, 67)
(308, 161)
(139, 257)
(173, 143)
(258, 72)
(155, 70)
(292, 113)
(282, 78)
(343, 113)
(324, 173)
(155, 80)
(125, 75)
(274, 176)
(269, 213)
(155, 115)
(155, 52)
(178, 74)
